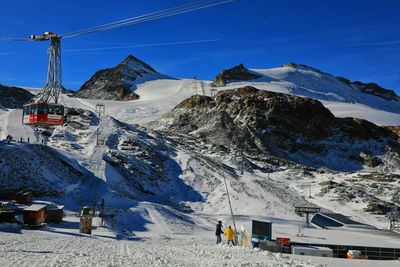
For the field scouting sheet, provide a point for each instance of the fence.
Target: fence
(373, 253)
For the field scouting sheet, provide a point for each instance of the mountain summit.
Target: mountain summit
(306, 81)
(119, 82)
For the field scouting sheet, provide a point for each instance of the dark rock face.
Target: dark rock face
(372, 89)
(235, 74)
(13, 97)
(116, 83)
(295, 128)
(395, 129)
(375, 89)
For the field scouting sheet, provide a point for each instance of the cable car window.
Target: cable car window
(58, 111)
(33, 109)
(26, 110)
(40, 109)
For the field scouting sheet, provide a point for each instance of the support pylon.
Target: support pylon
(53, 86)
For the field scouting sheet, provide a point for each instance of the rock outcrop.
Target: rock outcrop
(235, 74)
(13, 97)
(372, 89)
(119, 82)
(287, 126)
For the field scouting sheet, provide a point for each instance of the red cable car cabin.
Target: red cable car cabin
(43, 114)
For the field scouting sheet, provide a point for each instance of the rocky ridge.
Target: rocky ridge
(13, 97)
(119, 82)
(297, 129)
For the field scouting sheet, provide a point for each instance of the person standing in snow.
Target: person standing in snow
(230, 235)
(219, 232)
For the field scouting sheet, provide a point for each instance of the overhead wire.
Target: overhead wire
(185, 8)
(148, 17)
(14, 39)
(124, 20)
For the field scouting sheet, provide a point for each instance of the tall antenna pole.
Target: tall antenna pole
(229, 201)
(241, 160)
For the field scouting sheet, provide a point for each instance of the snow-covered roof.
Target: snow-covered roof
(35, 207)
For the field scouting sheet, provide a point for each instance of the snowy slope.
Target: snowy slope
(312, 83)
(156, 98)
(128, 156)
(160, 96)
(309, 82)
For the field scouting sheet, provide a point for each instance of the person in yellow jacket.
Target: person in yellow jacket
(230, 235)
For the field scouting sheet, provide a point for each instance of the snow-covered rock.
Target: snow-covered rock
(288, 127)
(302, 80)
(38, 168)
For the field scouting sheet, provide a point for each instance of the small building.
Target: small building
(54, 214)
(35, 215)
(23, 197)
(20, 197)
(7, 216)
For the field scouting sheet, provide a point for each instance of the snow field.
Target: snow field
(41, 248)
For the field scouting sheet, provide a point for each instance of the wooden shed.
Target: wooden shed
(35, 215)
(54, 214)
(20, 197)
(7, 216)
(23, 197)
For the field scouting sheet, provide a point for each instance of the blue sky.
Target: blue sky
(358, 39)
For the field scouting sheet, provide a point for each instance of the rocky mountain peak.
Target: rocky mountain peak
(235, 74)
(119, 82)
(132, 62)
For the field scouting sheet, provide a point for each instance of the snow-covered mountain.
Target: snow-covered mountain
(180, 160)
(119, 82)
(13, 97)
(161, 162)
(307, 81)
(288, 127)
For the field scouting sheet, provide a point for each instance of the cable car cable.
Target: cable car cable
(14, 39)
(148, 17)
(124, 21)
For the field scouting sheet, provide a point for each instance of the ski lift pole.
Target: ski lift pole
(230, 205)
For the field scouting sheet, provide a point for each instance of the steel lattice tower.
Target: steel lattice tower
(53, 86)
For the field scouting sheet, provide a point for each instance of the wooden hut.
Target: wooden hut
(54, 214)
(23, 197)
(35, 215)
(7, 216)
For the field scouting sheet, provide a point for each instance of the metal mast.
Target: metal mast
(52, 88)
(230, 204)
